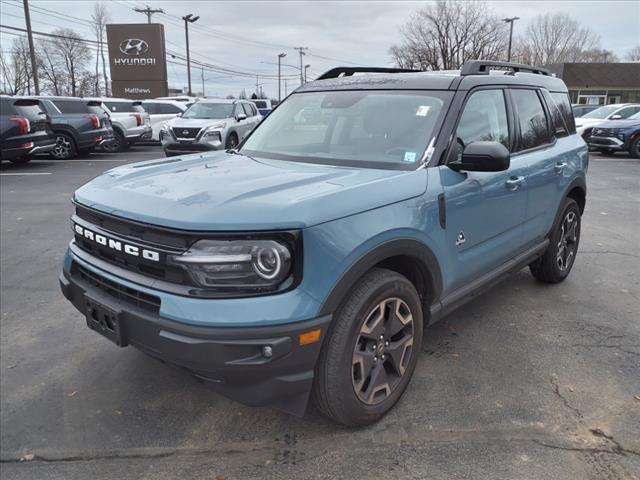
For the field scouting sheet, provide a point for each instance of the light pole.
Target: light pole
(280, 57)
(187, 20)
(305, 73)
(510, 22)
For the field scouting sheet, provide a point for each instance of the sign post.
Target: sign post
(137, 59)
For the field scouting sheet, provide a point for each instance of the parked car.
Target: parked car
(131, 123)
(313, 256)
(209, 125)
(614, 136)
(24, 129)
(160, 111)
(579, 110)
(264, 106)
(618, 111)
(77, 128)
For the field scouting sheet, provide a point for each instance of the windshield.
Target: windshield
(602, 112)
(374, 129)
(209, 110)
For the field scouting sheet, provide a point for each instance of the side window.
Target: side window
(151, 108)
(247, 109)
(168, 108)
(484, 119)
(70, 106)
(534, 130)
(238, 110)
(561, 101)
(627, 112)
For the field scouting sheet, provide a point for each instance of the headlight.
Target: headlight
(227, 265)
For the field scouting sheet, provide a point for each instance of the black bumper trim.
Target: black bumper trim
(228, 359)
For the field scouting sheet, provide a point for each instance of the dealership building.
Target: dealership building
(600, 83)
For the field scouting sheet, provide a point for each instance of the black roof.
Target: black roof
(473, 74)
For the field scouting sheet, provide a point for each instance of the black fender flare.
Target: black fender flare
(427, 263)
(578, 182)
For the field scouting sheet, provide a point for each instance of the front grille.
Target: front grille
(186, 132)
(120, 292)
(603, 132)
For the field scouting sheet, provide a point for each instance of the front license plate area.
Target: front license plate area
(105, 321)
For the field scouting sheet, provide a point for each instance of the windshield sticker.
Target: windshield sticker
(410, 157)
(422, 111)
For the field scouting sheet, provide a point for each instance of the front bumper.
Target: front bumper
(611, 143)
(178, 147)
(229, 359)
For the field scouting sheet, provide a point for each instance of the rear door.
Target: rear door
(485, 211)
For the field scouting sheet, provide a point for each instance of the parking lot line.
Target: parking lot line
(26, 173)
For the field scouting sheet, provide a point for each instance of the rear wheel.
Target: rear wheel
(556, 263)
(371, 352)
(65, 147)
(118, 143)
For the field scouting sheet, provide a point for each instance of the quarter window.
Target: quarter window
(484, 119)
(534, 130)
(561, 102)
(151, 108)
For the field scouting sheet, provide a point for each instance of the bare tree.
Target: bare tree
(100, 17)
(599, 55)
(16, 68)
(74, 54)
(443, 35)
(51, 68)
(633, 55)
(556, 38)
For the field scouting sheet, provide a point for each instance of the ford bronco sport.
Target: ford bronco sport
(309, 260)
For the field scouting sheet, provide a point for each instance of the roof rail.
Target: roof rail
(482, 67)
(348, 71)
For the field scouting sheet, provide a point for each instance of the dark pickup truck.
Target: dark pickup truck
(24, 129)
(77, 126)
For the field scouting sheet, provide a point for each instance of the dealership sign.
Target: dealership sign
(138, 60)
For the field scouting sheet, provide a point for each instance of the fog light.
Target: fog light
(267, 351)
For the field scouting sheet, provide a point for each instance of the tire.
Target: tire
(232, 141)
(607, 151)
(20, 160)
(634, 150)
(556, 263)
(65, 148)
(118, 144)
(353, 352)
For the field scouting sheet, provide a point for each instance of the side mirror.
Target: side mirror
(241, 116)
(616, 117)
(483, 157)
(179, 114)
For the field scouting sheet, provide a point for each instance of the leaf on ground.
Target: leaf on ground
(117, 412)
(637, 397)
(13, 365)
(27, 457)
(73, 393)
(571, 389)
(455, 355)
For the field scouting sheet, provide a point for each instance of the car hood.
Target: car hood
(180, 122)
(222, 191)
(588, 122)
(618, 124)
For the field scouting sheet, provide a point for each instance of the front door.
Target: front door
(485, 211)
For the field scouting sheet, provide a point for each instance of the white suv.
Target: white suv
(161, 111)
(617, 111)
(130, 122)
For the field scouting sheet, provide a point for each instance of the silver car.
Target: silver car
(130, 122)
(210, 124)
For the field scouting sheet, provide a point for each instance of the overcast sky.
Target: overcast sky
(242, 34)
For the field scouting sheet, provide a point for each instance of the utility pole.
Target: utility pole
(148, 11)
(32, 52)
(187, 20)
(280, 57)
(301, 51)
(510, 22)
(202, 78)
(257, 86)
(285, 88)
(305, 73)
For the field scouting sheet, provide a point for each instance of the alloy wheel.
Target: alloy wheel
(568, 241)
(382, 351)
(63, 147)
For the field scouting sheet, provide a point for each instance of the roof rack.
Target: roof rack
(348, 71)
(483, 67)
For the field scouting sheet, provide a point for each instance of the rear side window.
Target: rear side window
(627, 112)
(6, 108)
(484, 119)
(247, 109)
(260, 103)
(168, 108)
(124, 107)
(70, 106)
(151, 108)
(561, 101)
(534, 130)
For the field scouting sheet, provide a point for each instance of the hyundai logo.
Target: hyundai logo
(134, 46)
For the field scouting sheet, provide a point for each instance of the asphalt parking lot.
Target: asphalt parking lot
(528, 381)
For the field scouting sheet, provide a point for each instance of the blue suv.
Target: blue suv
(309, 260)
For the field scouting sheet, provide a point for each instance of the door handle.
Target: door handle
(514, 182)
(559, 167)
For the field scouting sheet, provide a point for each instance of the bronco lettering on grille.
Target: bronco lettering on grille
(117, 245)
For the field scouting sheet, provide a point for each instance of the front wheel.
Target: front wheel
(634, 150)
(556, 263)
(371, 352)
